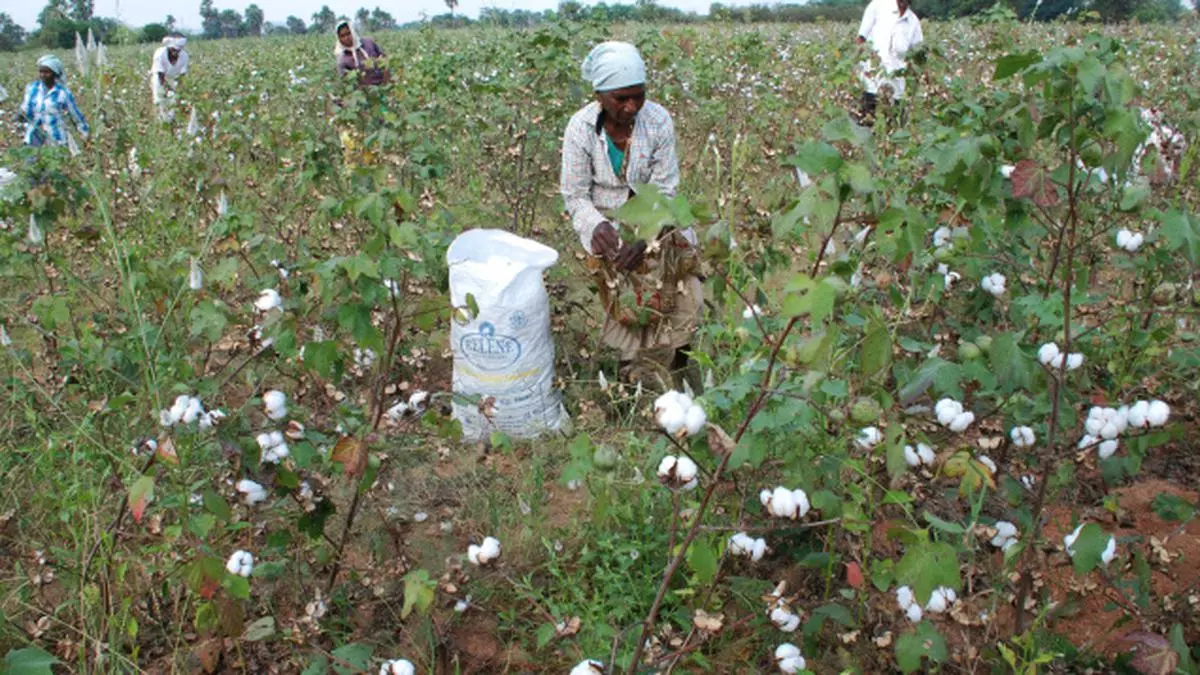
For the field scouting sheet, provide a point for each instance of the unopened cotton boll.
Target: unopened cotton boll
(1107, 449)
(1157, 413)
(868, 438)
(240, 563)
(789, 659)
(1022, 437)
(785, 619)
(994, 284)
(398, 667)
(268, 300)
(588, 667)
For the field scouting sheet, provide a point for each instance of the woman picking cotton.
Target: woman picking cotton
(47, 105)
(169, 64)
(650, 290)
(359, 55)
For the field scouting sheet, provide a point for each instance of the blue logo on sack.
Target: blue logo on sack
(487, 351)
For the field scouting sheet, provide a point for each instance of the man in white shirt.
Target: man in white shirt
(170, 62)
(893, 30)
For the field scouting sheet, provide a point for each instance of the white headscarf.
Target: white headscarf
(614, 65)
(52, 62)
(341, 48)
(171, 42)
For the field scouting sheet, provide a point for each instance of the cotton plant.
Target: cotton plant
(678, 473)
(397, 667)
(784, 503)
(241, 563)
(1051, 356)
(1104, 425)
(952, 415)
(743, 545)
(921, 455)
(789, 659)
(679, 415)
(485, 553)
(994, 284)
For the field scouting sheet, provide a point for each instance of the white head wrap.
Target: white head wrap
(52, 62)
(614, 65)
(171, 42)
(341, 48)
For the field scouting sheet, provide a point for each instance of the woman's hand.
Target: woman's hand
(630, 256)
(605, 242)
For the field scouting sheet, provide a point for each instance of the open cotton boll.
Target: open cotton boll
(1130, 241)
(911, 457)
(418, 400)
(947, 409)
(1157, 413)
(1139, 414)
(252, 493)
(671, 416)
(179, 407)
(678, 472)
(987, 461)
(240, 563)
(905, 597)
(268, 300)
(941, 599)
(789, 659)
(994, 284)
(941, 237)
(914, 613)
(398, 667)
(1048, 353)
(1074, 361)
(961, 422)
(751, 312)
(785, 619)
(868, 438)
(925, 454)
(275, 404)
(1069, 540)
(1109, 552)
(193, 411)
(694, 420)
(211, 419)
(195, 276)
(1107, 449)
(588, 667)
(1007, 170)
(1022, 437)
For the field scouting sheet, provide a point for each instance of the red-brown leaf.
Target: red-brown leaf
(854, 575)
(166, 451)
(1031, 181)
(140, 495)
(351, 453)
(1152, 653)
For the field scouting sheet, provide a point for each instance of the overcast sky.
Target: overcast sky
(139, 12)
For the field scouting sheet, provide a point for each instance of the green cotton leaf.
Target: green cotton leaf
(1085, 551)
(323, 358)
(942, 377)
(894, 441)
(1007, 66)
(844, 129)
(702, 560)
(815, 158)
(28, 661)
(312, 523)
(216, 504)
(929, 565)
(352, 659)
(924, 642)
(944, 525)
(360, 266)
(1012, 367)
(859, 178)
(404, 235)
(1173, 508)
(356, 318)
(1089, 74)
(877, 348)
(208, 321)
(418, 592)
(238, 587)
(1182, 233)
(647, 212)
(318, 666)
(1132, 196)
(372, 208)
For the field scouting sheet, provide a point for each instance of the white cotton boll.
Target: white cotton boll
(792, 665)
(1006, 529)
(462, 605)
(275, 403)
(785, 619)
(800, 499)
(740, 544)
(1022, 437)
(1047, 353)
(685, 469)
(5, 340)
(240, 563)
(397, 411)
(195, 276)
(941, 237)
(1074, 361)
(1110, 551)
(671, 418)
(994, 284)
(987, 461)
(937, 602)
(765, 497)
(947, 409)
(925, 454)
(1094, 425)
(1007, 170)
(268, 300)
(911, 457)
(783, 505)
(751, 312)
(694, 420)
(1157, 413)
(1107, 449)
(588, 667)
(1069, 540)
(398, 667)
(914, 613)
(1087, 441)
(252, 493)
(961, 422)
(950, 279)
(905, 597)
(758, 549)
(868, 438)
(264, 441)
(418, 400)
(193, 411)
(1109, 431)
(1138, 414)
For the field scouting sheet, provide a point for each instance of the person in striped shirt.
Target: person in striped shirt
(650, 291)
(47, 103)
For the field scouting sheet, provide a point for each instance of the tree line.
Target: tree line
(61, 20)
